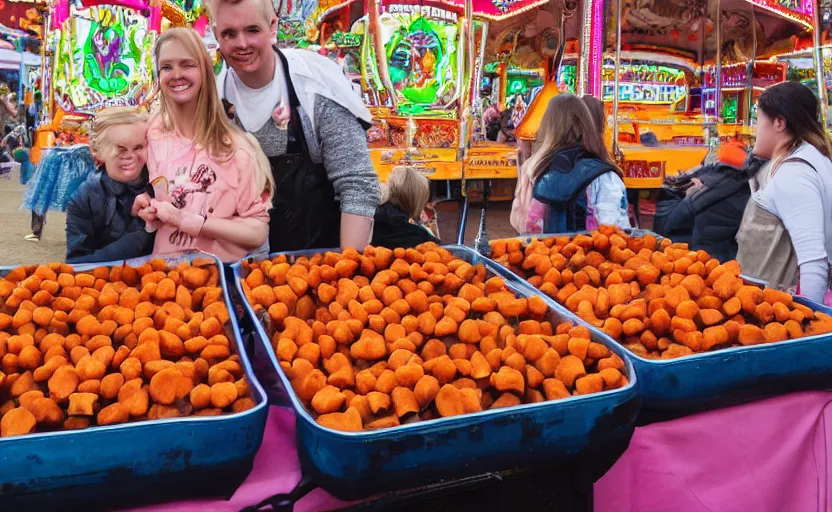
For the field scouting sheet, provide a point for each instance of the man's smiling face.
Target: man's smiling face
(245, 37)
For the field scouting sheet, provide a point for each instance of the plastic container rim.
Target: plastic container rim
(247, 368)
(450, 421)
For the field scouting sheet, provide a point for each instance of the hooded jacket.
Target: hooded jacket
(392, 228)
(563, 188)
(710, 217)
(99, 225)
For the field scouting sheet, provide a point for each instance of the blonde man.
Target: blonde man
(309, 122)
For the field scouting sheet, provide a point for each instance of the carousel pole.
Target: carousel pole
(817, 57)
(591, 57)
(749, 69)
(380, 54)
(717, 72)
(619, 156)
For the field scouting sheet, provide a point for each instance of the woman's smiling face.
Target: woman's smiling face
(180, 78)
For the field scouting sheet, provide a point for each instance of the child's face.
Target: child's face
(126, 153)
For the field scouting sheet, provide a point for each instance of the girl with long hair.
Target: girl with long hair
(212, 182)
(574, 183)
(785, 237)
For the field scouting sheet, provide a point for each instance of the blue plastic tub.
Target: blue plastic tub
(354, 465)
(150, 452)
(727, 376)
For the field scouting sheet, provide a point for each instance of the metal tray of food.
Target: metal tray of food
(722, 377)
(108, 458)
(353, 465)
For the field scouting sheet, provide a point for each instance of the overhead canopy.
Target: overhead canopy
(498, 9)
(10, 59)
(494, 10)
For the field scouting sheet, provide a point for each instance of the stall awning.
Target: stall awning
(10, 59)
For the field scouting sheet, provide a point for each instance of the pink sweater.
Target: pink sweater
(202, 185)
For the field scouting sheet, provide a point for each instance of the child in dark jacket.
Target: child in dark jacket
(99, 223)
(404, 198)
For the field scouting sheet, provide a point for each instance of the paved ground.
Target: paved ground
(16, 223)
(497, 222)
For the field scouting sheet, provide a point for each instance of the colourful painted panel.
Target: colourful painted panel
(103, 58)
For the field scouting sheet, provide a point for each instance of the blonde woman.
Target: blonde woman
(404, 198)
(570, 183)
(99, 224)
(213, 184)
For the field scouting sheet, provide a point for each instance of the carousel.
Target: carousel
(98, 55)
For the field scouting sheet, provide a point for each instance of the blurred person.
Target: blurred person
(704, 208)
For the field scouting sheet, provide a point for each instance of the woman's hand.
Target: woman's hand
(189, 223)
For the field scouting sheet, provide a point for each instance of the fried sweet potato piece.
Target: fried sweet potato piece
(223, 394)
(113, 414)
(82, 404)
(592, 383)
(751, 335)
(63, 383)
(328, 399)
(349, 421)
(508, 379)
(17, 422)
(570, 369)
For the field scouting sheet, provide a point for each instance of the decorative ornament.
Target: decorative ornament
(502, 5)
(280, 116)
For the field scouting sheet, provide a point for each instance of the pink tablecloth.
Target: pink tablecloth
(276, 470)
(772, 455)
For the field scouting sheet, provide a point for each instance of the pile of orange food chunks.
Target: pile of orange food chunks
(387, 337)
(659, 299)
(113, 345)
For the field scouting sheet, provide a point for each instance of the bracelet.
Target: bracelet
(192, 224)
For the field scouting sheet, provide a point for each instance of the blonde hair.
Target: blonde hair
(107, 118)
(213, 129)
(566, 122)
(409, 190)
(266, 8)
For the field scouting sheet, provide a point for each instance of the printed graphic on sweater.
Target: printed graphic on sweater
(188, 185)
